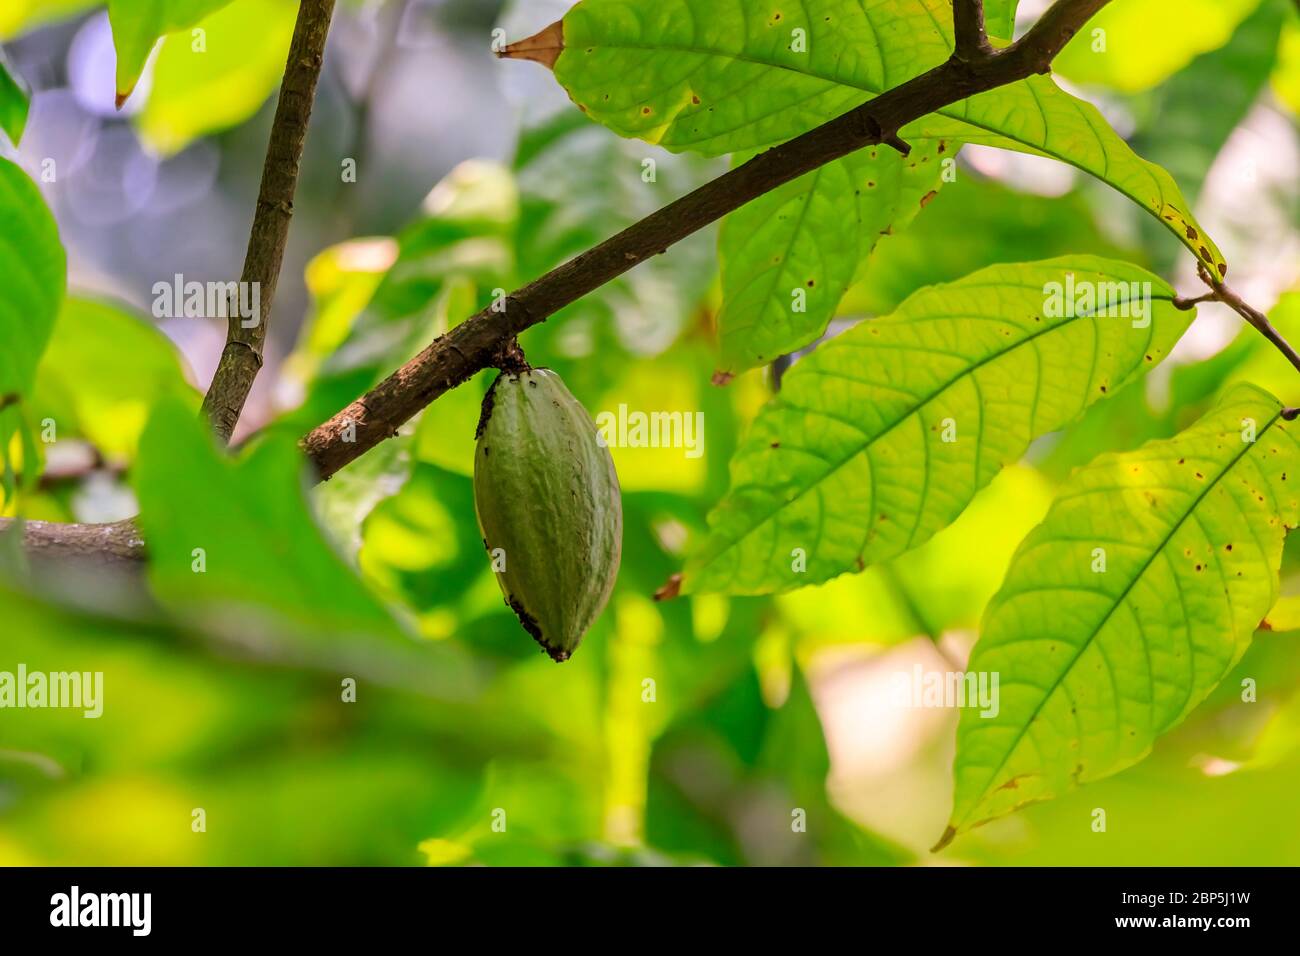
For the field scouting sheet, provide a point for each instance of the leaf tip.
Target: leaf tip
(671, 588)
(944, 840)
(120, 99)
(544, 47)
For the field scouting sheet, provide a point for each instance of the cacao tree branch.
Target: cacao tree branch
(486, 339)
(242, 357)
(117, 542)
(968, 29)
(245, 336)
(473, 345)
(1220, 292)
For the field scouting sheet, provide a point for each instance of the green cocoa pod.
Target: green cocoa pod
(548, 505)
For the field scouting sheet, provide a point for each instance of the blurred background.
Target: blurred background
(703, 730)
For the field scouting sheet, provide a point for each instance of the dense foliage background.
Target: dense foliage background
(223, 690)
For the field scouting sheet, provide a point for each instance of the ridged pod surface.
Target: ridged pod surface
(547, 496)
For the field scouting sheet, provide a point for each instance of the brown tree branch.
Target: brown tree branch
(473, 345)
(485, 340)
(242, 357)
(1220, 292)
(968, 29)
(117, 542)
(245, 336)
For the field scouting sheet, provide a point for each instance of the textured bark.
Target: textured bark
(242, 358)
(116, 543)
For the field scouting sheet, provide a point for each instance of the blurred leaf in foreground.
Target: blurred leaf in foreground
(236, 537)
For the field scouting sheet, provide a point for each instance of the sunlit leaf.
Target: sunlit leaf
(973, 223)
(137, 26)
(884, 434)
(688, 74)
(200, 90)
(1128, 604)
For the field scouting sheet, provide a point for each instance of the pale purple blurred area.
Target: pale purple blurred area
(409, 90)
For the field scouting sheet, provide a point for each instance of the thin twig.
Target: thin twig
(1221, 292)
(1259, 321)
(242, 358)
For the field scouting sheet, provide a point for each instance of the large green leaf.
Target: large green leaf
(883, 435)
(236, 539)
(788, 256)
(1128, 604)
(137, 25)
(200, 92)
(14, 101)
(693, 74)
(34, 267)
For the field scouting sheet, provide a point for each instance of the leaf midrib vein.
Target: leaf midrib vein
(1119, 602)
(908, 413)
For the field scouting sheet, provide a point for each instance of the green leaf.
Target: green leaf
(1094, 665)
(197, 92)
(14, 101)
(236, 539)
(690, 74)
(34, 268)
(789, 256)
(1124, 57)
(973, 223)
(849, 465)
(1000, 18)
(137, 25)
(104, 370)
